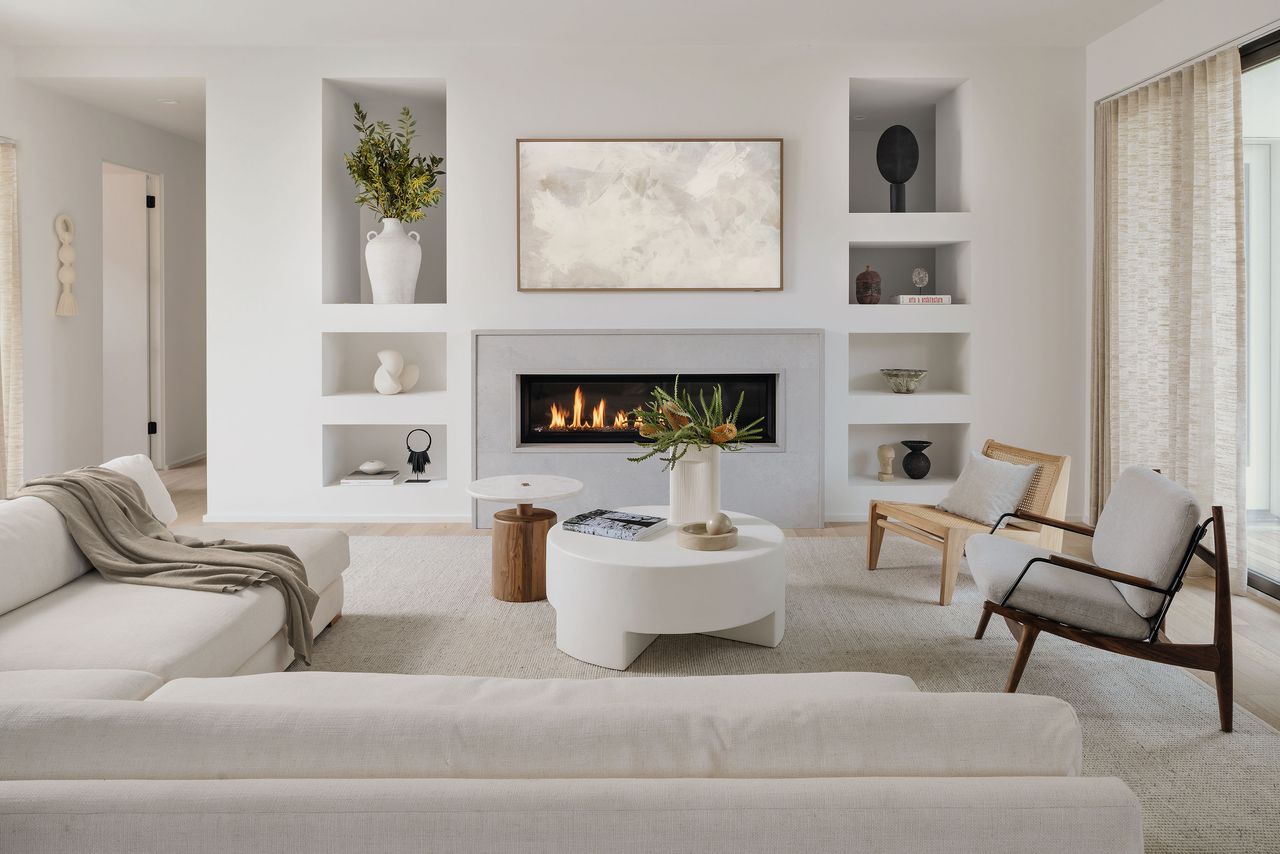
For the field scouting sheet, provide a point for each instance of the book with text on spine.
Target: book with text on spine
(924, 299)
(615, 524)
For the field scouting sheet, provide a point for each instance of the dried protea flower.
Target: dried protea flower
(724, 433)
(674, 416)
(646, 429)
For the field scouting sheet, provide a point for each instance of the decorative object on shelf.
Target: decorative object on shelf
(393, 375)
(691, 434)
(903, 380)
(419, 459)
(698, 214)
(867, 287)
(915, 463)
(920, 278)
(884, 455)
(699, 537)
(66, 231)
(897, 156)
(398, 186)
(372, 466)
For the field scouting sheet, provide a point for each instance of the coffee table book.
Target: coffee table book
(615, 524)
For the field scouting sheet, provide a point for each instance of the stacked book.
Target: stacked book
(387, 478)
(924, 299)
(615, 524)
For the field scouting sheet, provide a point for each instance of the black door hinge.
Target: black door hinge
(151, 201)
(151, 428)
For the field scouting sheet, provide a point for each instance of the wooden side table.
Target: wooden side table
(520, 535)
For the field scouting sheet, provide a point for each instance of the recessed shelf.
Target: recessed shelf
(356, 317)
(923, 407)
(945, 355)
(947, 265)
(345, 225)
(910, 229)
(930, 108)
(909, 318)
(346, 446)
(374, 408)
(947, 454)
(350, 359)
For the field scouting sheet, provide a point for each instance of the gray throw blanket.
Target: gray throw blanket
(108, 517)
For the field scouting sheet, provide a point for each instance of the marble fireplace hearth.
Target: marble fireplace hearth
(780, 481)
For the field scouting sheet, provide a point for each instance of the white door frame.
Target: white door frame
(155, 316)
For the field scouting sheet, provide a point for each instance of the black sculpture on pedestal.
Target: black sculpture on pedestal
(897, 155)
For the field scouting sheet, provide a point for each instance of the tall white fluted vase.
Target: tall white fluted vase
(695, 486)
(393, 257)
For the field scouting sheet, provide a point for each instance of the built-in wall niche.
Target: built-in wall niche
(947, 454)
(346, 446)
(933, 109)
(345, 224)
(351, 359)
(948, 267)
(945, 355)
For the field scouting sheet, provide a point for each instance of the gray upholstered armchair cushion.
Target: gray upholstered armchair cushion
(1053, 592)
(1144, 530)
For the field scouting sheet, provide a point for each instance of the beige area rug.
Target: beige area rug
(422, 605)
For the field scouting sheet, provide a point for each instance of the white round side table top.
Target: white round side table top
(524, 488)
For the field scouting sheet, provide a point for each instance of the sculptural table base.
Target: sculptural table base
(520, 553)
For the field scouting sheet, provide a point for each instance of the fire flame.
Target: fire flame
(561, 418)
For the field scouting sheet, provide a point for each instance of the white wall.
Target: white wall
(1024, 162)
(62, 144)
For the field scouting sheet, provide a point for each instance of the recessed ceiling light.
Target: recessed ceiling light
(167, 101)
(858, 118)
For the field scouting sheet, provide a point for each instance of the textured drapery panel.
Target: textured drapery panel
(1168, 304)
(10, 326)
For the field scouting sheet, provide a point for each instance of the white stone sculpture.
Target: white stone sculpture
(393, 375)
(884, 454)
(66, 230)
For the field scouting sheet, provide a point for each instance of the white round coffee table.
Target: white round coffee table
(612, 597)
(519, 535)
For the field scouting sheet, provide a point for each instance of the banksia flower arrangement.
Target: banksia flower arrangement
(393, 182)
(674, 422)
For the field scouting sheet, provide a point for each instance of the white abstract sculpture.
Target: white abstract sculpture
(393, 375)
(66, 230)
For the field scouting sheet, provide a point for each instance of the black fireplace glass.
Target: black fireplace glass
(596, 408)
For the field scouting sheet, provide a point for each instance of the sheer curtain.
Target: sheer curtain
(1168, 373)
(10, 326)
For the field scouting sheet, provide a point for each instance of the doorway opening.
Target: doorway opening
(132, 313)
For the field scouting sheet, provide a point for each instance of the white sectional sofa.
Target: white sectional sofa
(58, 615)
(328, 762)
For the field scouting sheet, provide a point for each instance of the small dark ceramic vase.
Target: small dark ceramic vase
(915, 463)
(867, 287)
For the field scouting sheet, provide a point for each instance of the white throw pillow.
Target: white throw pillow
(139, 468)
(987, 489)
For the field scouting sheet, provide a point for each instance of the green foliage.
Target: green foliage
(393, 182)
(672, 423)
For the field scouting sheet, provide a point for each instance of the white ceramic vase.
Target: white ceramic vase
(695, 486)
(393, 257)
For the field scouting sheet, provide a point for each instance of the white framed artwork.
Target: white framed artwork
(649, 214)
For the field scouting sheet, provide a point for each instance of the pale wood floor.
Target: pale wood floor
(1256, 618)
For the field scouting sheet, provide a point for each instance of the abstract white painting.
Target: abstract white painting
(650, 214)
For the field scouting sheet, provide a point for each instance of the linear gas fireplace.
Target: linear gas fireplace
(595, 408)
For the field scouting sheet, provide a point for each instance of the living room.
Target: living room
(865, 323)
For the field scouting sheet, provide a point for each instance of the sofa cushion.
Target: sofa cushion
(141, 469)
(324, 552)
(1144, 530)
(77, 684)
(39, 555)
(897, 734)
(1050, 591)
(400, 691)
(96, 623)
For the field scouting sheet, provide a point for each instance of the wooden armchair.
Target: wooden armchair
(1146, 537)
(948, 533)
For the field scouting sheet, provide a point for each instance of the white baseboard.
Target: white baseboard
(216, 519)
(194, 458)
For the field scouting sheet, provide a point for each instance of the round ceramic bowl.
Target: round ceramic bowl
(903, 380)
(694, 536)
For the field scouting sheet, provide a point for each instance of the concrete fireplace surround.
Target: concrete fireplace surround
(781, 482)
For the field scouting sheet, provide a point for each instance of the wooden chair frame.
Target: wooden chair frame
(948, 533)
(1214, 657)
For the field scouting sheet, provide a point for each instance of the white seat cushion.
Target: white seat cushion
(1144, 530)
(96, 623)
(324, 552)
(400, 691)
(77, 684)
(39, 555)
(1053, 592)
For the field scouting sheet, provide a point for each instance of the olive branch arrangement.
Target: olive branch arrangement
(393, 182)
(673, 423)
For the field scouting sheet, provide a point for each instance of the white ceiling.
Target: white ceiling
(139, 98)
(560, 22)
